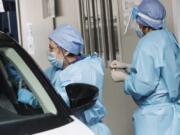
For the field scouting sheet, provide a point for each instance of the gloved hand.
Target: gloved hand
(118, 76)
(26, 97)
(116, 64)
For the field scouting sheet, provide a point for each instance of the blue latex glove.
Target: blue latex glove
(26, 97)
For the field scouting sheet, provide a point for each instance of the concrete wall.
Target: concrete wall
(176, 10)
(120, 107)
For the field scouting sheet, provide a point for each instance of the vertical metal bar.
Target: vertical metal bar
(83, 24)
(119, 31)
(94, 26)
(89, 26)
(18, 18)
(54, 17)
(98, 27)
(103, 29)
(81, 17)
(86, 27)
(9, 21)
(110, 29)
(54, 23)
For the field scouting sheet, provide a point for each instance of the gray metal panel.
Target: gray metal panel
(18, 22)
(110, 29)
(83, 24)
(119, 31)
(88, 4)
(103, 29)
(99, 43)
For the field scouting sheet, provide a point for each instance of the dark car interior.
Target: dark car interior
(18, 118)
(9, 106)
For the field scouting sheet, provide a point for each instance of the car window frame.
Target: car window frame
(63, 112)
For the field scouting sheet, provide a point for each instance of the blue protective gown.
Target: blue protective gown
(154, 83)
(89, 70)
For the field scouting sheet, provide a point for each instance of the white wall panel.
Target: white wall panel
(31, 13)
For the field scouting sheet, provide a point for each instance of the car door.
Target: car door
(49, 116)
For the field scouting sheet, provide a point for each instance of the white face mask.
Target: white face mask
(54, 61)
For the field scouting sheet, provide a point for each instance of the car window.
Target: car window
(21, 93)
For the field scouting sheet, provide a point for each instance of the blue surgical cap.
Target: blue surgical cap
(154, 10)
(68, 38)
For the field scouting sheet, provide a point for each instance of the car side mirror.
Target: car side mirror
(81, 96)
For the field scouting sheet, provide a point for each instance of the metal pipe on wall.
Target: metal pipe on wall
(89, 26)
(98, 28)
(19, 28)
(81, 17)
(83, 24)
(119, 31)
(94, 26)
(103, 29)
(110, 28)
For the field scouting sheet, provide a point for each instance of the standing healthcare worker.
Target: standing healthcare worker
(70, 66)
(154, 75)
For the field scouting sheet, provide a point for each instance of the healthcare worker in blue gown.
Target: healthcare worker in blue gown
(68, 66)
(154, 75)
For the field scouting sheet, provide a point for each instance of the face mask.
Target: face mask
(54, 61)
(139, 33)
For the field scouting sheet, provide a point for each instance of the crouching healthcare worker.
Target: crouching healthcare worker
(153, 78)
(68, 65)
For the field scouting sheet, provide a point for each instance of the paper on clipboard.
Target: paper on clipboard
(1, 6)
